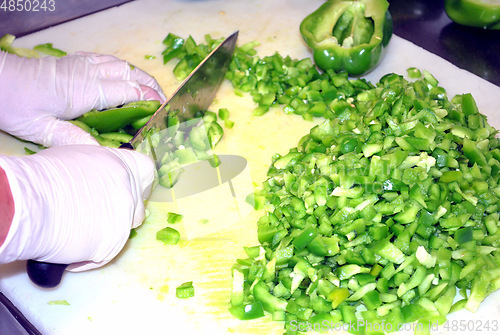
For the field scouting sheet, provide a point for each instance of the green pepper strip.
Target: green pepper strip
(6, 42)
(269, 302)
(48, 49)
(114, 119)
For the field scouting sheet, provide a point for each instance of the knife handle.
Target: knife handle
(45, 274)
(126, 145)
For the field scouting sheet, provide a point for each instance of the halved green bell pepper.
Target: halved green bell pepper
(476, 13)
(348, 35)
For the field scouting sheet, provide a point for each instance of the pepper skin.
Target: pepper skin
(114, 119)
(348, 35)
(475, 13)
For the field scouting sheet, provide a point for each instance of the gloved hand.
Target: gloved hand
(38, 94)
(75, 204)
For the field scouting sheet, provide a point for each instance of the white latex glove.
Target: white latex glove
(75, 204)
(38, 94)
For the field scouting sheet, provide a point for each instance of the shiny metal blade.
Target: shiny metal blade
(194, 95)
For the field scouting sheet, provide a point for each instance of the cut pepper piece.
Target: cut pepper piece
(185, 290)
(114, 119)
(250, 311)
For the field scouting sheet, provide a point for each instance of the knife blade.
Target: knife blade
(194, 96)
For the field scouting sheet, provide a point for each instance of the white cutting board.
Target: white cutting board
(136, 293)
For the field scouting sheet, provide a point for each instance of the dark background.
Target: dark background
(423, 22)
(21, 23)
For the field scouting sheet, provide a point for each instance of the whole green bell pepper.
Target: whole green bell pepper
(476, 13)
(348, 35)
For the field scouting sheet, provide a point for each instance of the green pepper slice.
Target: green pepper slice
(250, 311)
(6, 44)
(169, 236)
(348, 35)
(114, 119)
(475, 13)
(49, 49)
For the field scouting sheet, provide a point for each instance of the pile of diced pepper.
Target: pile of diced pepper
(385, 214)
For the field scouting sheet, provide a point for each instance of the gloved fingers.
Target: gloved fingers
(95, 58)
(90, 265)
(120, 70)
(145, 79)
(148, 93)
(84, 266)
(111, 67)
(113, 82)
(59, 132)
(103, 66)
(80, 202)
(115, 93)
(118, 92)
(139, 215)
(146, 172)
(50, 131)
(87, 265)
(114, 211)
(143, 169)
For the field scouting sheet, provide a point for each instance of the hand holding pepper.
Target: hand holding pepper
(39, 94)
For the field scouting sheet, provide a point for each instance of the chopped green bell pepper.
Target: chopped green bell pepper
(114, 119)
(269, 302)
(48, 49)
(475, 13)
(347, 35)
(251, 311)
(174, 218)
(185, 290)
(168, 236)
(382, 213)
(6, 44)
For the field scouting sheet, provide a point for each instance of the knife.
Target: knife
(193, 97)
